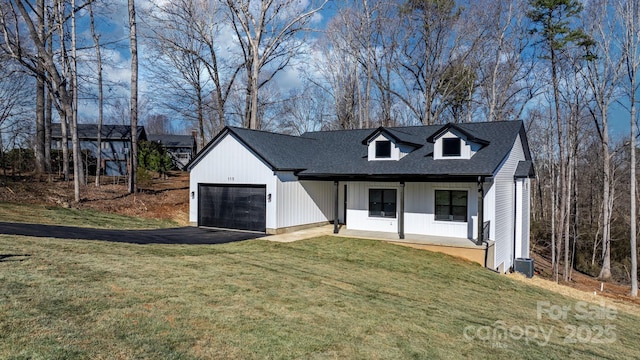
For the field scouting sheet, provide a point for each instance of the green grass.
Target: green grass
(54, 215)
(319, 298)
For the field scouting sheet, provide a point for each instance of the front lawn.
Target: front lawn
(319, 298)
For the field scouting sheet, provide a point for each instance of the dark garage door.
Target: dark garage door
(241, 207)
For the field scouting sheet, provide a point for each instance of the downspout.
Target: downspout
(515, 228)
(480, 237)
(336, 227)
(401, 212)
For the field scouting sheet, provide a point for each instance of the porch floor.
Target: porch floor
(411, 238)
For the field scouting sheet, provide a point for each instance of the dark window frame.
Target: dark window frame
(449, 210)
(448, 146)
(383, 153)
(386, 206)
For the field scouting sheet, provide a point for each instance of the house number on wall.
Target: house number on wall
(231, 178)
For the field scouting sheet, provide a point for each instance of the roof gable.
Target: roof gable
(455, 128)
(398, 137)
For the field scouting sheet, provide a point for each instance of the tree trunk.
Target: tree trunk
(40, 96)
(78, 172)
(632, 226)
(133, 39)
(96, 41)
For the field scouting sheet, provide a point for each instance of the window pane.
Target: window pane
(451, 147)
(383, 149)
(459, 198)
(375, 202)
(442, 197)
(389, 199)
(459, 213)
(442, 212)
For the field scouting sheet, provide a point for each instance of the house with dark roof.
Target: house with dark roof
(457, 188)
(181, 148)
(115, 141)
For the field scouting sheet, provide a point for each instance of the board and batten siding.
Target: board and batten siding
(358, 207)
(303, 202)
(230, 162)
(504, 187)
(420, 210)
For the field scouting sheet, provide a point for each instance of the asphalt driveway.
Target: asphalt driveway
(184, 235)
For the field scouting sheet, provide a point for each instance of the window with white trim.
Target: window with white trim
(451, 205)
(383, 149)
(382, 203)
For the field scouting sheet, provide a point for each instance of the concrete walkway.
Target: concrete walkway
(301, 234)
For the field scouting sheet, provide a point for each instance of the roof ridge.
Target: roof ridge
(270, 132)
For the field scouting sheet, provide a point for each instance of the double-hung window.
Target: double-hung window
(382, 203)
(451, 205)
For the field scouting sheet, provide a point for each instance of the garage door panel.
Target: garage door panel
(240, 207)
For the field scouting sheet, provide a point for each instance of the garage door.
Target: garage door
(241, 207)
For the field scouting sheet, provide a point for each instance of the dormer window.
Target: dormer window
(383, 149)
(451, 147)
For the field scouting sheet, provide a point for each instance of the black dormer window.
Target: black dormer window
(451, 147)
(383, 149)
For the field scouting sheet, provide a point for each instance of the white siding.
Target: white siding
(526, 217)
(489, 209)
(303, 202)
(504, 201)
(230, 162)
(358, 207)
(420, 210)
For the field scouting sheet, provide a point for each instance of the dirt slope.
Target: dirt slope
(163, 199)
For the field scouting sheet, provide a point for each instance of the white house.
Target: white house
(458, 183)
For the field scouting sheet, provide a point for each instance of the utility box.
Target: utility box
(524, 266)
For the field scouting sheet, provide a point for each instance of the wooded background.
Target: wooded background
(568, 69)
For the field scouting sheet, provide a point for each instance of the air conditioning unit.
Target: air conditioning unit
(524, 266)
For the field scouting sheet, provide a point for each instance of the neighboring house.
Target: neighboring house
(181, 148)
(458, 185)
(115, 143)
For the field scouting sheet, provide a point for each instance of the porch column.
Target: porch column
(401, 212)
(336, 218)
(480, 237)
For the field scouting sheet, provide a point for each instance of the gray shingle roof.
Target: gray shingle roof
(90, 132)
(525, 169)
(342, 153)
(173, 141)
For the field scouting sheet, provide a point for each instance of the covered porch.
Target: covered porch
(459, 247)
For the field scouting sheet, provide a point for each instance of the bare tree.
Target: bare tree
(96, 42)
(603, 77)
(505, 59)
(629, 12)
(551, 20)
(185, 38)
(133, 42)
(40, 157)
(268, 32)
(16, 46)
